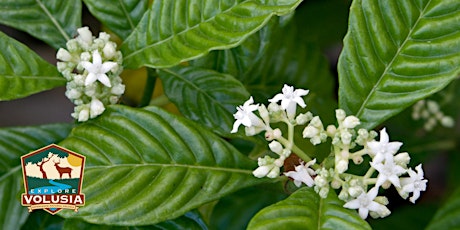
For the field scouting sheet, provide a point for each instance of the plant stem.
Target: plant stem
(149, 87)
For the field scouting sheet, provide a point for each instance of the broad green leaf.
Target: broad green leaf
(205, 96)
(22, 72)
(120, 16)
(273, 57)
(448, 216)
(52, 21)
(15, 142)
(396, 53)
(190, 221)
(304, 209)
(175, 31)
(145, 166)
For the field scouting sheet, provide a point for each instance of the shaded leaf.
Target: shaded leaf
(192, 28)
(237, 209)
(42, 220)
(448, 216)
(121, 16)
(15, 142)
(22, 72)
(52, 21)
(205, 96)
(190, 220)
(152, 166)
(396, 53)
(304, 209)
(273, 57)
(405, 217)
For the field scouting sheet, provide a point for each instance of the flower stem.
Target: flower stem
(369, 173)
(149, 87)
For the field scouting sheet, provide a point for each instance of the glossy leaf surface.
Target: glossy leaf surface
(304, 209)
(22, 72)
(145, 166)
(15, 142)
(176, 31)
(52, 21)
(396, 53)
(121, 16)
(205, 96)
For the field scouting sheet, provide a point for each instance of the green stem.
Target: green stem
(369, 173)
(149, 87)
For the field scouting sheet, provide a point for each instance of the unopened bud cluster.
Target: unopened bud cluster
(92, 67)
(430, 112)
(349, 144)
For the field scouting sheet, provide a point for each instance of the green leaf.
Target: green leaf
(22, 72)
(448, 216)
(193, 28)
(273, 57)
(190, 221)
(304, 209)
(205, 96)
(42, 220)
(52, 21)
(145, 166)
(15, 142)
(120, 16)
(396, 53)
(405, 217)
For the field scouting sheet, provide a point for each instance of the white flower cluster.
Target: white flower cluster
(387, 167)
(92, 67)
(430, 111)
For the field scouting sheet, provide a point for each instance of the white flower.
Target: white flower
(276, 147)
(383, 149)
(388, 172)
(415, 183)
(365, 203)
(245, 116)
(302, 174)
(96, 108)
(97, 70)
(290, 98)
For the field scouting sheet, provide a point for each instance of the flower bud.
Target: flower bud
(447, 121)
(109, 50)
(350, 122)
(63, 55)
(345, 137)
(386, 184)
(355, 191)
(342, 166)
(264, 113)
(323, 192)
(336, 184)
(276, 147)
(303, 118)
(310, 132)
(331, 130)
(262, 171)
(83, 115)
(118, 89)
(432, 106)
(340, 115)
(85, 36)
(358, 159)
(96, 108)
(402, 159)
(274, 173)
(277, 133)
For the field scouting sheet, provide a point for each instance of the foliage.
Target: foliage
(171, 162)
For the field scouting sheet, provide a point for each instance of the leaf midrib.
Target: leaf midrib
(128, 16)
(389, 66)
(198, 89)
(188, 29)
(166, 165)
(53, 20)
(177, 34)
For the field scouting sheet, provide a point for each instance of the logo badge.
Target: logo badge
(53, 177)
